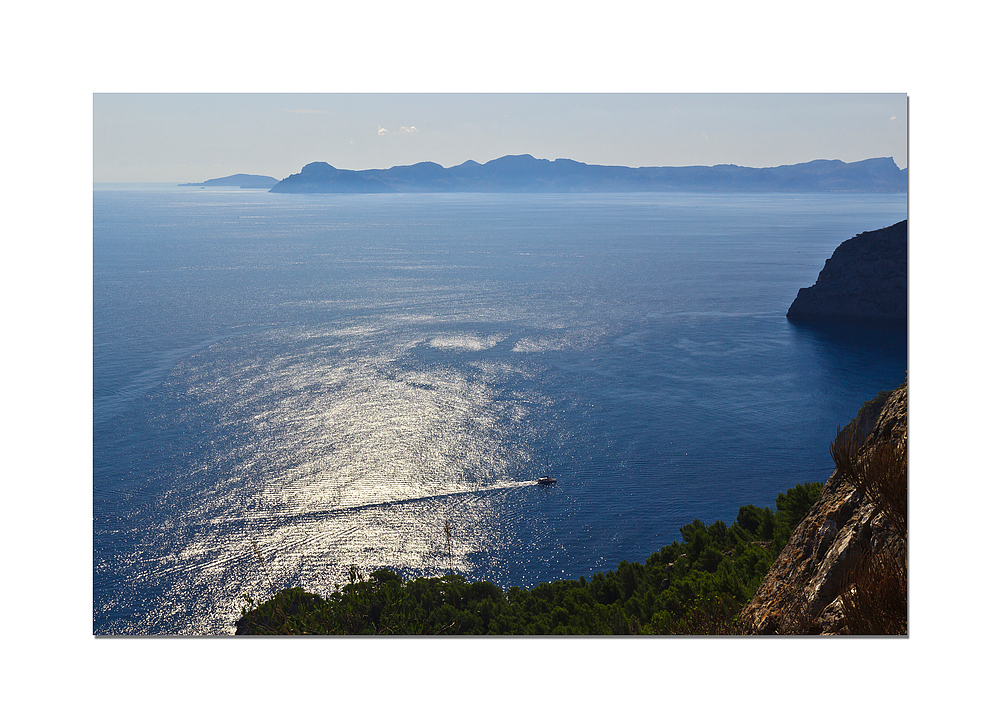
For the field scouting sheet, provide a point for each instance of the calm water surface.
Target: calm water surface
(334, 377)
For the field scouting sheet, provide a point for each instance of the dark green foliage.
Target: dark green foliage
(694, 587)
(758, 522)
(794, 504)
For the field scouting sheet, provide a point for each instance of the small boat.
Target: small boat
(547, 480)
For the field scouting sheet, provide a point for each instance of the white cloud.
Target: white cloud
(406, 130)
(382, 131)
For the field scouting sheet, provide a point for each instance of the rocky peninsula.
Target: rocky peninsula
(864, 280)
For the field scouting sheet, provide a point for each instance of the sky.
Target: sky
(182, 137)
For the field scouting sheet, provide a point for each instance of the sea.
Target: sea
(287, 387)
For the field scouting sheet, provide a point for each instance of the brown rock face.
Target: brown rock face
(818, 570)
(864, 280)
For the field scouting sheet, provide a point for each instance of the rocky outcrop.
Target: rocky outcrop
(803, 592)
(864, 280)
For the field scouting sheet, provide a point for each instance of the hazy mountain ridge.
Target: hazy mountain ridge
(524, 173)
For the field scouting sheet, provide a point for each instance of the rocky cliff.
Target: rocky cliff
(849, 552)
(864, 280)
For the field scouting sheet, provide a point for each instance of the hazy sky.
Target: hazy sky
(193, 137)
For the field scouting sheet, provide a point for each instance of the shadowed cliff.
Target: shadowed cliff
(864, 280)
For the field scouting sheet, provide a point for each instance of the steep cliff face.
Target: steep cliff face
(864, 280)
(807, 586)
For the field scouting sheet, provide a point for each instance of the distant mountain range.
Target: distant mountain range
(524, 173)
(243, 181)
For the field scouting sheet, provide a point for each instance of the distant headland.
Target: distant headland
(243, 181)
(524, 173)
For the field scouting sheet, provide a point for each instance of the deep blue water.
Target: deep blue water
(334, 377)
